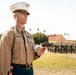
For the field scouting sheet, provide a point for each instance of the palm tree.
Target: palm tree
(37, 29)
(30, 29)
(64, 33)
(67, 34)
(44, 31)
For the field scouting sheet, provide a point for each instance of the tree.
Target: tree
(30, 29)
(38, 29)
(40, 38)
(64, 33)
(44, 31)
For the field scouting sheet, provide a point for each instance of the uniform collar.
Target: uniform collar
(19, 30)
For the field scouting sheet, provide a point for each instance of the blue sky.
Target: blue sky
(54, 16)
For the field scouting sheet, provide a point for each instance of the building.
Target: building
(59, 38)
(56, 38)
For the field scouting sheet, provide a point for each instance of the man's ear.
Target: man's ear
(14, 15)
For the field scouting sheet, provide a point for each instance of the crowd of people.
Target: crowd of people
(62, 48)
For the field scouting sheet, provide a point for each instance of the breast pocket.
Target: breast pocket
(30, 43)
(19, 43)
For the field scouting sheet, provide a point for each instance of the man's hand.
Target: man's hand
(11, 70)
(40, 50)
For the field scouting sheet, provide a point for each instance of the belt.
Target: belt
(27, 67)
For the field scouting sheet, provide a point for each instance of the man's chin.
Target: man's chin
(25, 22)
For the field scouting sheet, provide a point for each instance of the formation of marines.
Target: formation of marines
(62, 48)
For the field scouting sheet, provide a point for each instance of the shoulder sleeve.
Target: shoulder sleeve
(5, 49)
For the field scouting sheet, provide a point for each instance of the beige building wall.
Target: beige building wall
(61, 39)
(57, 38)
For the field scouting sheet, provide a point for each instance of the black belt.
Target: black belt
(22, 66)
